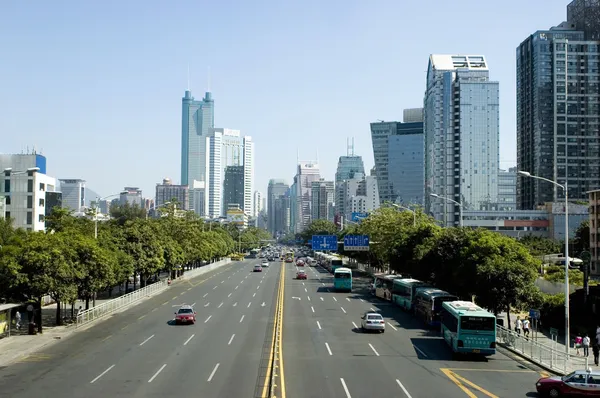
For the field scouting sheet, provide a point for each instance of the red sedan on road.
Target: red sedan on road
(185, 314)
(580, 383)
(301, 275)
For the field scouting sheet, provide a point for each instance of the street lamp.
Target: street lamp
(460, 205)
(567, 259)
(414, 213)
(156, 207)
(98, 199)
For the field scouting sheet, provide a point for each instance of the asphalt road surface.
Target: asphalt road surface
(141, 353)
(326, 355)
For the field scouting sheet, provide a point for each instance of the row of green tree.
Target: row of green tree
(67, 262)
(499, 271)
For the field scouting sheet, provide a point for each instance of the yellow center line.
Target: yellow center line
(450, 375)
(271, 352)
(459, 380)
(282, 373)
(491, 370)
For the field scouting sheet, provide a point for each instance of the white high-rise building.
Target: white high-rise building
(73, 194)
(230, 172)
(461, 130)
(258, 203)
(360, 195)
(302, 201)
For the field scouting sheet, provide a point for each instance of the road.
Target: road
(140, 353)
(326, 355)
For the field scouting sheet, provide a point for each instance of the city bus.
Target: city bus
(342, 279)
(254, 253)
(289, 257)
(428, 304)
(334, 262)
(382, 285)
(468, 328)
(404, 292)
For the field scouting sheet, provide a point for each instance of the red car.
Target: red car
(301, 275)
(580, 383)
(185, 314)
(300, 263)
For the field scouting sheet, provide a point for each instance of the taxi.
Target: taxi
(580, 383)
(301, 275)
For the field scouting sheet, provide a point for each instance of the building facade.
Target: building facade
(507, 189)
(258, 203)
(558, 122)
(461, 129)
(131, 196)
(197, 121)
(278, 207)
(413, 115)
(594, 219)
(406, 176)
(167, 192)
(348, 166)
(73, 194)
(322, 197)
(307, 172)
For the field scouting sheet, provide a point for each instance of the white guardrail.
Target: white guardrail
(92, 314)
(205, 268)
(552, 358)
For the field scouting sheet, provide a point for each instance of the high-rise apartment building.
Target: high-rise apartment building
(73, 194)
(461, 128)
(276, 221)
(361, 195)
(259, 200)
(322, 197)
(558, 113)
(230, 171)
(169, 192)
(347, 167)
(507, 189)
(131, 196)
(197, 121)
(307, 172)
(413, 115)
(398, 149)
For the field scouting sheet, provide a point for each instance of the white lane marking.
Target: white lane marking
(189, 339)
(222, 281)
(420, 351)
(319, 325)
(235, 304)
(302, 283)
(334, 299)
(102, 374)
(323, 283)
(212, 374)
(308, 297)
(220, 305)
(328, 349)
(207, 304)
(392, 326)
(157, 373)
(260, 282)
(229, 277)
(237, 287)
(321, 298)
(208, 319)
(193, 304)
(305, 290)
(242, 318)
(372, 309)
(347, 299)
(214, 288)
(345, 388)
(362, 301)
(147, 340)
(355, 325)
(374, 350)
(205, 295)
(343, 310)
(312, 308)
(231, 339)
(229, 295)
(403, 389)
(249, 304)
(254, 295)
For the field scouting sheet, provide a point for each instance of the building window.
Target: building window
(29, 218)
(7, 214)
(42, 202)
(41, 218)
(6, 185)
(42, 186)
(30, 202)
(7, 200)
(30, 186)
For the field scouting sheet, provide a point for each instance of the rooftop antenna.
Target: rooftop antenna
(208, 80)
(352, 146)
(298, 156)
(317, 155)
(188, 78)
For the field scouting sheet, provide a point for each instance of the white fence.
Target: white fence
(552, 358)
(204, 269)
(101, 310)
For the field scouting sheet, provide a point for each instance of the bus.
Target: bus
(289, 257)
(468, 328)
(334, 262)
(254, 253)
(404, 291)
(382, 285)
(428, 304)
(342, 279)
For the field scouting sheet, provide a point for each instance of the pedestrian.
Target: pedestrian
(578, 341)
(18, 320)
(526, 327)
(596, 350)
(586, 345)
(518, 325)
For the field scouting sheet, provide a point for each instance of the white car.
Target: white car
(265, 263)
(372, 321)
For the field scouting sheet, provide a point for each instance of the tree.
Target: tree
(319, 227)
(539, 246)
(127, 212)
(582, 238)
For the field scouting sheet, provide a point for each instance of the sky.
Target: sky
(96, 86)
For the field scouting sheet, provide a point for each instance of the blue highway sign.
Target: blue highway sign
(356, 242)
(358, 217)
(324, 242)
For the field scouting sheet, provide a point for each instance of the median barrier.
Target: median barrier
(90, 315)
(546, 356)
(204, 269)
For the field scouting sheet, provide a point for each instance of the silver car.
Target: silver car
(372, 321)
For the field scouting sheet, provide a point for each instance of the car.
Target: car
(372, 321)
(578, 383)
(270, 259)
(185, 314)
(257, 268)
(264, 263)
(301, 275)
(300, 263)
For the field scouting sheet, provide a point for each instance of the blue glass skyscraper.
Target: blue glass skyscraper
(197, 121)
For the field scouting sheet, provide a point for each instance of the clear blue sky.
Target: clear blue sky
(97, 85)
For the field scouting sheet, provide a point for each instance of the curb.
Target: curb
(531, 360)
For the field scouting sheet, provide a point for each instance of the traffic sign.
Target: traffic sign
(553, 332)
(356, 242)
(324, 242)
(534, 314)
(358, 216)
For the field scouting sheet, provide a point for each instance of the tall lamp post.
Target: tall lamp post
(414, 213)
(156, 207)
(567, 259)
(460, 205)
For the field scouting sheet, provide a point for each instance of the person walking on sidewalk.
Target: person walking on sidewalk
(18, 320)
(596, 351)
(518, 325)
(578, 341)
(586, 345)
(526, 327)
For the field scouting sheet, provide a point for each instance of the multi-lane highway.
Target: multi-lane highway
(141, 353)
(326, 355)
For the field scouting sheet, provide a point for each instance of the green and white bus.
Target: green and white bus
(404, 292)
(468, 328)
(342, 279)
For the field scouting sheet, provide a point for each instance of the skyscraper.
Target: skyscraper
(278, 207)
(73, 194)
(230, 171)
(461, 126)
(347, 167)
(322, 196)
(258, 203)
(558, 124)
(308, 172)
(167, 191)
(197, 121)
